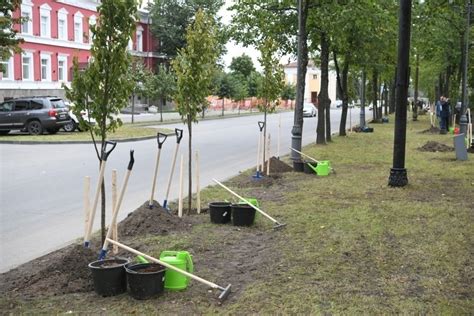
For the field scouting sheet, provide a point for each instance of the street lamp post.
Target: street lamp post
(398, 173)
(465, 94)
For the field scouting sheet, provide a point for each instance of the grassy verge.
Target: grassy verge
(126, 131)
(352, 245)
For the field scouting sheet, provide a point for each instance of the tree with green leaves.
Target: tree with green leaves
(242, 65)
(194, 66)
(161, 86)
(224, 87)
(239, 90)
(272, 81)
(104, 87)
(9, 42)
(171, 19)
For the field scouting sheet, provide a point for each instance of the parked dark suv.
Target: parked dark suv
(33, 114)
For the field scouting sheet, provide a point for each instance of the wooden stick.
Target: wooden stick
(268, 155)
(258, 152)
(279, 136)
(454, 120)
(153, 185)
(262, 162)
(299, 152)
(198, 186)
(96, 201)
(114, 206)
(86, 196)
(167, 265)
(181, 178)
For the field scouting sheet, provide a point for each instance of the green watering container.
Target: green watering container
(323, 168)
(175, 281)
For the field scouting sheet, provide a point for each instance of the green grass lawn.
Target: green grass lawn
(126, 131)
(352, 245)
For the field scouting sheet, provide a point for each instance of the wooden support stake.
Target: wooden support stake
(279, 136)
(114, 205)
(198, 186)
(181, 178)
(258, 152)
(268, 155)
(86, 196)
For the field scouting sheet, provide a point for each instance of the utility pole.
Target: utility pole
(302, 64)
(398, 173)
(362, 102)
(465, 94)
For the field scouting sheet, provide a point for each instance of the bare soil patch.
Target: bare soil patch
(433, 146)
(277, 166)
(431, 130)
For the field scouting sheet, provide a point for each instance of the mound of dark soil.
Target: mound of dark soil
(432, 146)
(277, 166)
(470, 150)
(61, 272)
(431, 130)
(155, 221)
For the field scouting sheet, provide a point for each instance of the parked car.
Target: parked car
(338, 103)
(33, 114)
(309, 109)
(74, 124)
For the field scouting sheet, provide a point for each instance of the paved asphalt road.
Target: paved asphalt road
(41, 186)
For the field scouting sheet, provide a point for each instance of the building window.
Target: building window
(45, 67)
(27, 14)
(6, 69)
(45, 20)
(92, 21)
(140, 41)
(130, 44)
(62, 68)
(27, 66)
(62, 24)
(78, 27)
(315, 77)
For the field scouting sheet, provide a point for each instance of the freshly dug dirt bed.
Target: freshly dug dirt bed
(431, 130)
(432, 146)
(155, 221)
(277, 166)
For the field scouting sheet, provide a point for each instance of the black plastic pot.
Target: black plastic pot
(242, 215)
(307, 168)
(109, 276)
(298, 166)
(219, 212)
(145, 280)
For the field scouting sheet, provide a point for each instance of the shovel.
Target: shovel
(277, 224)
(179, 135)
(105, 154)
(103, 251)
(225, 290)
(160, 137)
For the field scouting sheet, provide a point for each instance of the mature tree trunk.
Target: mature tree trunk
(385, 93)
(133, 107)
(223, 106)
(342, 86)
(297, 130)
(375, 88)
(362, 100)
(323, 94)
(190, 170)
(162, 103)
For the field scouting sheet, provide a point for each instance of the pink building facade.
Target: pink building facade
(56, 32)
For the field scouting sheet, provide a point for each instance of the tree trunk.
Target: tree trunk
(162, 102)
(190, 171)
(297, 130)
(223, 100)
(385, 95)
(323, 94)
(133, 107)
(102, 195)
(362, 123)
(342, 86)
(375, 87)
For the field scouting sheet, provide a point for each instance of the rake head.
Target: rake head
(225, 292)
(279, 225)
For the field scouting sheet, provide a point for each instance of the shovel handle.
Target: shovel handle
(179, 134)
(160, 137)
(132, 160)
(261, 125)
(105, 152)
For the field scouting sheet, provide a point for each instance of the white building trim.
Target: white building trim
(62, 72)
(45, 69)
(35, 85)
(78, 27)
(31, 66)
(62, 17)
(27, 11)
(139, 39)
(81, 4)
(55, 42)
(45, 20)
(9, 70)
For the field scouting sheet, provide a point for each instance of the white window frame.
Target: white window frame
(140, 40)
(92, 21)
(63, 58)
(48, 67)
(130, 44)
(30, 66)
(79, 37)
(62, 16)
(27, 8)
(9, 63)
(45, 12)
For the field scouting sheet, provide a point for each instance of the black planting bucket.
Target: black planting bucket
(307, 168)
(145, 280)
(242, 215)
(219, 212)
(298, 166)
(109, 276)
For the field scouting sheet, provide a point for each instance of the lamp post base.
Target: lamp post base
(398, 177)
